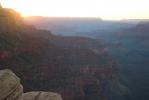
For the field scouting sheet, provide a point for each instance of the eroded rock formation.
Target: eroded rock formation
(11, 89)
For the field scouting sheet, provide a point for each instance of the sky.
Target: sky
(105, 9)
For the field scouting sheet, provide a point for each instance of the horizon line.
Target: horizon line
(85, 17)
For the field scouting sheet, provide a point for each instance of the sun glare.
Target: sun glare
(106, 9)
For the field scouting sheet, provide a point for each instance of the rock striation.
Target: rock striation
(10, 87)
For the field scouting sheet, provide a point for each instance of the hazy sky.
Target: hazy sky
(105, 9)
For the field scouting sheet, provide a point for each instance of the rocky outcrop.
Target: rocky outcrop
(41, 96)
(11, 89)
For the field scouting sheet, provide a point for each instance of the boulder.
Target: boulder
(10, 87)
(41, 96)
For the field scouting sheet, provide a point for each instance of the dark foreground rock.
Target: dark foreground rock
(11, 89)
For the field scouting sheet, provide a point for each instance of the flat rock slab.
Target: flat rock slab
(41, 96)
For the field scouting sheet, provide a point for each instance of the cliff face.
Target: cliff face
(9, 19)
(78, 68)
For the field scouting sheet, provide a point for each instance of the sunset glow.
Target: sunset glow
(105, 9)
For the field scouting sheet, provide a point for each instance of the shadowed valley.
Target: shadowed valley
(74, 66)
